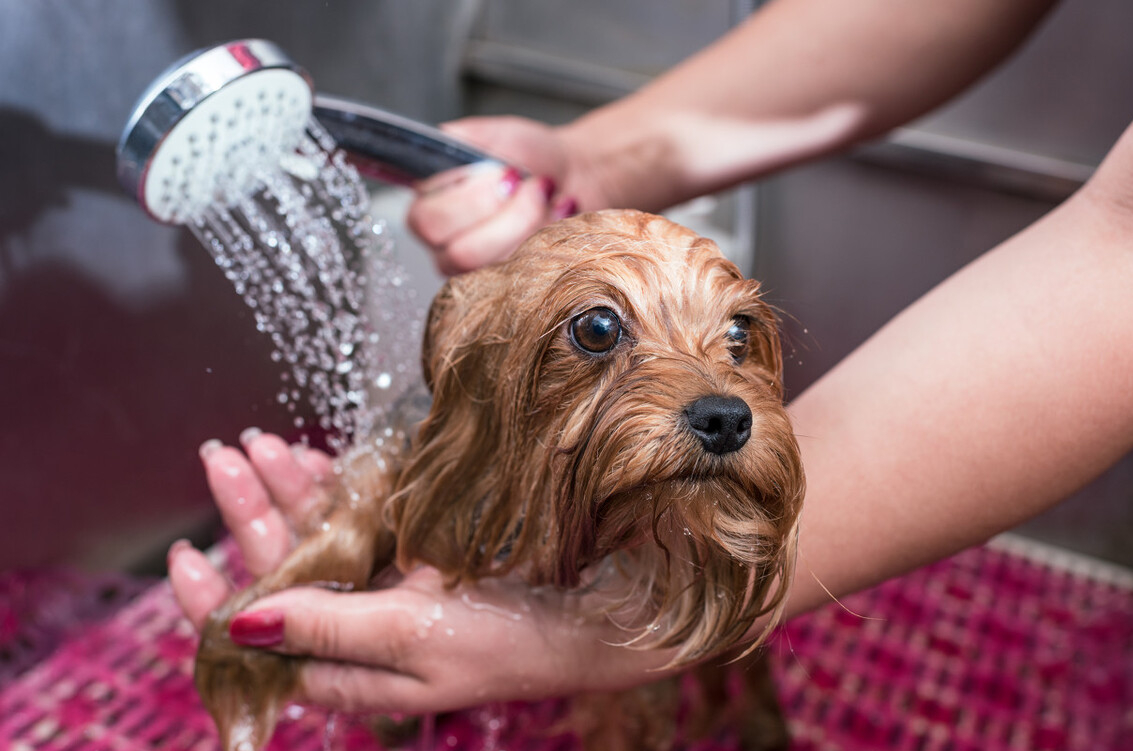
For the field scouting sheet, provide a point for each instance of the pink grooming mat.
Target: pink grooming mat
(996, 649)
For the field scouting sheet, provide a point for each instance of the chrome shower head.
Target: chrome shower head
(206, 125)
(210, 124)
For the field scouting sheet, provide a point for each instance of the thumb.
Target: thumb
(370, 628)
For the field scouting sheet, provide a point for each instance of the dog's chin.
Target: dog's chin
(689, 561)
(731, 500)
(716, 514)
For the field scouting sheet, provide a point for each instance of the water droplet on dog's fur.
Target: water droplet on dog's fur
(490, 608)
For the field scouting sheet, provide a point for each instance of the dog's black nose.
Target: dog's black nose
(722, 423)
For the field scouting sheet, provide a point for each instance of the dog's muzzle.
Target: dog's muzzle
(722, 423)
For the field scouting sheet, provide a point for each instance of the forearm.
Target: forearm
(989, 400)
(799, 79)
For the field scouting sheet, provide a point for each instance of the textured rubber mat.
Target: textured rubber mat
(998, 648)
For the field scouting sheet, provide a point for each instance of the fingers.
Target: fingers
(454, 200)
(197, 585)
(265, 496)
(332, 626)
(497, 236)
(391, 645)
(375, 651)
(424, 647)
(360, 689)
(478, 215)
(480, 218)
(296, 477)
(256, 524)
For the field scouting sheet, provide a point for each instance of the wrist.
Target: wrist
(617, 158)
(651, 158)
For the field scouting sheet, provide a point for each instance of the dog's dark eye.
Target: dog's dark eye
(596, 331)
(738, 338)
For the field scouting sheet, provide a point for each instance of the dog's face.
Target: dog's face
(612, 395)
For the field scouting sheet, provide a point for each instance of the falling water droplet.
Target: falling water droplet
(294, 236)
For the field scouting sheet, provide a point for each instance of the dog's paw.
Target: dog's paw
(243, 689)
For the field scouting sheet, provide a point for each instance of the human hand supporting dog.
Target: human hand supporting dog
(439, 648)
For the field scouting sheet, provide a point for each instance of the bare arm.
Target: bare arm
(992, 398)
(798, 80)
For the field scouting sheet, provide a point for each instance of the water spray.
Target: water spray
(234, 143)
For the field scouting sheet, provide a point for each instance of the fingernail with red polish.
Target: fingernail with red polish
(208, 448)
(549, 186)
(564, 208)
(509, 182)
(257, 628)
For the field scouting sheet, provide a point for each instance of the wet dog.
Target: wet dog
(606, 414)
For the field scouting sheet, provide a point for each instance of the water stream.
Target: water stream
(321, 280)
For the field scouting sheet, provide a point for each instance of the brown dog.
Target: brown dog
(606, 401)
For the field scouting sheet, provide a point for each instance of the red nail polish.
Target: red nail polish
(509, 182)
(257, 628)
(564, 208)
(549, 187)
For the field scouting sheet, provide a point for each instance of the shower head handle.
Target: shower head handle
(390, 147)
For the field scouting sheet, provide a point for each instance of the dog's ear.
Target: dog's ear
(456, 506)
(457, 310)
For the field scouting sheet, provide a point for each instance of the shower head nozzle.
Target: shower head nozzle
(206, 126)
